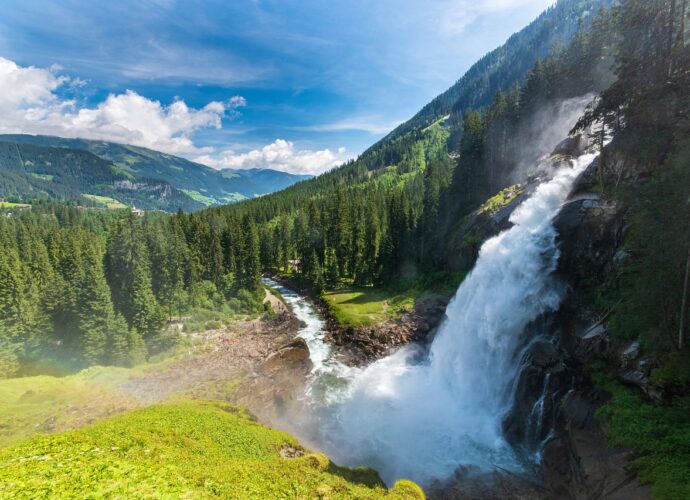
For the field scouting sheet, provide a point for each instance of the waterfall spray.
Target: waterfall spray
(421, 415)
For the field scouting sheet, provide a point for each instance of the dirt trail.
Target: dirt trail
(279, 307)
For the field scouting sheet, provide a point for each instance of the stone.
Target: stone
(629, 354)
(577, 409)
(544, 355)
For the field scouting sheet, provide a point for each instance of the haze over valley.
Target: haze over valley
(397, 250)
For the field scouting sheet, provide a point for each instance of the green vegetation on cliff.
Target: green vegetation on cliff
(184, 449)
(658, 435)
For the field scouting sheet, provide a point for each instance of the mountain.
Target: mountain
(154, 179)
(503, 67)
(436, 130)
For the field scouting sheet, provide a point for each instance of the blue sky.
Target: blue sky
(294, 85)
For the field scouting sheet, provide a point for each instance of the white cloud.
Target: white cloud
(29, 104)
(237, 101)
(459, 14)
(279, 155)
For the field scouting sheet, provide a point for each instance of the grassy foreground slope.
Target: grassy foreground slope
(185, 449)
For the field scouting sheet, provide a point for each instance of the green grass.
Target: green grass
(121, 170)
(233, 197)
(501, 199)
(363, 306)
(658, 435)
(33, 405)
(110, 203)
(43, 177)
(180, 450)
(197, 196)
(9, 204)
(366, 306)
(438, 121)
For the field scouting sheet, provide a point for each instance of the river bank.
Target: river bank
(361, 343)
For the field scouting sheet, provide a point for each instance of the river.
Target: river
(422, 413)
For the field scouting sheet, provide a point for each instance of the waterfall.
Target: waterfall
(420, 414)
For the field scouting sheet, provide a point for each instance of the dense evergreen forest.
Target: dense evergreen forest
(81, 287)
(387, 215)
(89, 287)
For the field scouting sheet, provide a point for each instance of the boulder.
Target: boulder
(629, 354)
(271, 392)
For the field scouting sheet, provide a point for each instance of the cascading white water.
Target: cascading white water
(422, 415)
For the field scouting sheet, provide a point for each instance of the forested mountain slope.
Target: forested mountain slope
(506, 65)
(190, 185)
(501, 70)
(391, 212)
(32, 172)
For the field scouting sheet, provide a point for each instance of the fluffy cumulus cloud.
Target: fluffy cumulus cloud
(279, 155)
(29, 103)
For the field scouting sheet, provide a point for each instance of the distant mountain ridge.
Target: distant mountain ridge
(130, 174)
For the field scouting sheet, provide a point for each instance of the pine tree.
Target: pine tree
(145, 315)
(315, 275)
(216, 269)
(250, 271)
(95, 309)
(330, 267)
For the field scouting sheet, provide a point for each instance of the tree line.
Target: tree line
(82, 287)
(388, 214)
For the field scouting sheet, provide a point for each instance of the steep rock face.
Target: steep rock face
(576, 462)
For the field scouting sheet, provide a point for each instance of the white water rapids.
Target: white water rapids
(421, 414)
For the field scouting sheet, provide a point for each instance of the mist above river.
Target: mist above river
(420, 414)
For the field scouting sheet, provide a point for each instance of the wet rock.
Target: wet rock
(274, 389)
(572, 146)
(645, 365)
(543, 378)
(471, 482)
(544, 355)
(620, 256)
(640, 380)
(292, 356)
(590, 342)
(589, 232)
(577, 409)
(365, 344)
(629, 354)
(587, 180)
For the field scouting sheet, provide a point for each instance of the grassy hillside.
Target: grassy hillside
(204, 185)
(36, 405)
(31, 172)
(184, 449)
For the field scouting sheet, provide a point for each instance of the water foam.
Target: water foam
(422, 414)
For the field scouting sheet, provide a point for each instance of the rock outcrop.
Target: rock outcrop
(272, 391)
(576, 460)
(364, 344)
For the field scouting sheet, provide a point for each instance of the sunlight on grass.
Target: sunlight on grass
(183, 450)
